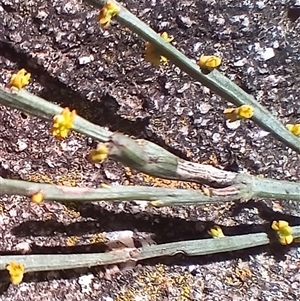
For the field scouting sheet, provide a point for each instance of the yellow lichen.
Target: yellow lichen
(39, 178)
(98, 238)
(72, 241)
(71, 209)
(155, 283)
(70, 178)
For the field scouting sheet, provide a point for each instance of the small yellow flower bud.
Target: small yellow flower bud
(242, 112)
(156, 203)
(284, 232)
(62, 123)
(37, 198)
(16, 272)
(245, 111)
(209, 62)
(216, 232)
(99, 154)
(206, 190)
(152, 55)
(166, 37)
(109, 11)
(20, 80)
(279, 225)
(286, 240)
(294, 128)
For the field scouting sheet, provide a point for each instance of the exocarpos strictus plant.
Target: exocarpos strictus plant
(147, 157)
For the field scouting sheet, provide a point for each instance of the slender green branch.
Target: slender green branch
(246, 188)
(113, 193)
(151, 159)
(217, 82)
(268, 188)
(44, 262)
(39, 107)
(141, 155)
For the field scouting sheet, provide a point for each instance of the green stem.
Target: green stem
(39, 107)
(217, 82)
(49, 262)
(113, 193)
(141, 155)
(271, 189)
(154, 160)
(246, 187)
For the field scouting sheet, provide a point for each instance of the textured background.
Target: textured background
(103, 76)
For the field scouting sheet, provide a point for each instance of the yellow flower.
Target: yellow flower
(99, 154)
(109, 11)
(242, 112)
(209, 62)
(37, 198)
(216, 232)
(62, 123)
(294, 128)
(152, 55)
(284, 232)
(16, 272)
(20, 80)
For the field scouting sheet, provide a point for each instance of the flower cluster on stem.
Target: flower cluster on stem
(284, 232)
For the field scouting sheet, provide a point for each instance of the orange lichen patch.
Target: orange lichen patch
(16, 272)
(72, 241)
(185, 293)
(238, 277)
(70, 178)
(141, 178)
(47, 216)
(71, 209)
(20, 79)
(39, 178)
(98, 238)
(213, 160)
(243, 273)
